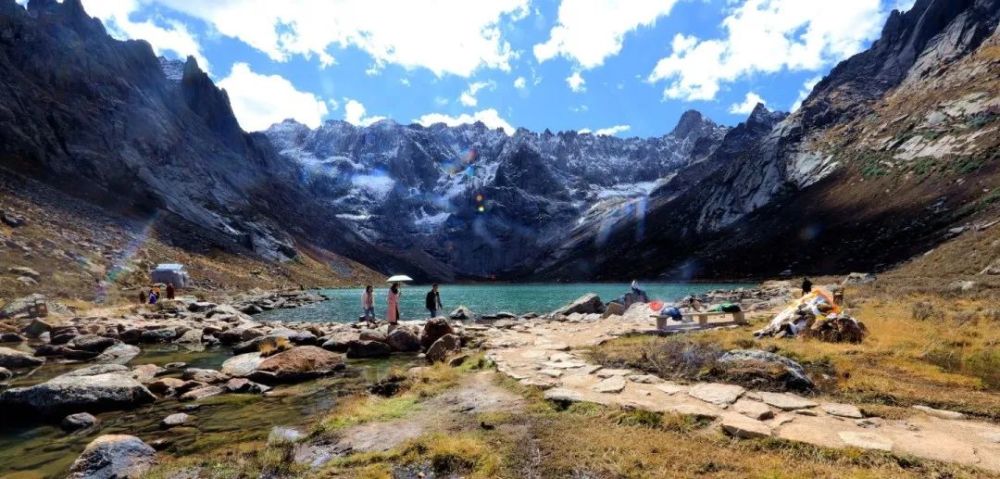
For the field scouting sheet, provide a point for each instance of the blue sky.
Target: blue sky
(627, 67)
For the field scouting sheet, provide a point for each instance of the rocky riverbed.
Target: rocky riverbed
(109, 395)
(149, 370)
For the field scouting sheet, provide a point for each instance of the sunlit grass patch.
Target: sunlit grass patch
(250, 459)
(367, 408)
(924, 348)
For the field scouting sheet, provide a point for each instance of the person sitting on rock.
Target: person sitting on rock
(638, 294)
(154, 296)
(694, 304)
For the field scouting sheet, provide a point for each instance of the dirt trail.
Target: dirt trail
(544, 355)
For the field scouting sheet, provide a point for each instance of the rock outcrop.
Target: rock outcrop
(70, 394)
(113, 456)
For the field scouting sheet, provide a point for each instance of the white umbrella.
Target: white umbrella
(399, 278)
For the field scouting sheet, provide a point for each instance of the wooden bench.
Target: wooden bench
(702, 318)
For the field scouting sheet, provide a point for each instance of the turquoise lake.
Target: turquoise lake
(345, 305)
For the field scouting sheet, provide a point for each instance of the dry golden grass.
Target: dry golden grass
(602, 445)
(949, 360)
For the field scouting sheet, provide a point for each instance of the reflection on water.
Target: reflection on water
(45, 451)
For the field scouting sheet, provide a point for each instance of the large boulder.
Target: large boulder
(434, 328)
(8, 337)
(761, 368)
(70, 394)
(36, 328)
(238, 334)
(113, 456)
(91, 342)
(444, 346)
(201, 307)
(161, 335)
(378, 334)
(242, 365)
(403, 339)
(462, 313)
(14, 359)
(338, 341)
(613, 309)
(21, 306)
(118, 353)
(297, 364)
(586, 304)
(361, 349)
(63, 334)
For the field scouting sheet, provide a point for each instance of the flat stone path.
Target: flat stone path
(544, 355)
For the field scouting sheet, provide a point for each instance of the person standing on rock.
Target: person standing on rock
(807, 286)
(433, 301)
(392, 313)
(368, 303)
(143, 297)
(170, 291)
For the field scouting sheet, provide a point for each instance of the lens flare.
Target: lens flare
(123, 261)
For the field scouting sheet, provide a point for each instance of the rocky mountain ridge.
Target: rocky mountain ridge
(905, 127)
(478, 200)
(892, 150)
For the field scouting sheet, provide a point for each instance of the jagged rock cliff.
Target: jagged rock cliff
(479, 201)
(892, 150)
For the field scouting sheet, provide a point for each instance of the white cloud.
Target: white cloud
(489, 117)
(468, 97)
(749, 103)
(767, 36)
(807, 88)
(262, 100)
(576, 83)
(590, 31)
(446, 37)
(334, 104)
(579, 108)
(404, 81)
(584, 131)
(520, 83)
(613, 130)
(355, 113)
(164, 35)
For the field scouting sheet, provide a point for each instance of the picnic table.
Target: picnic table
(704, 318)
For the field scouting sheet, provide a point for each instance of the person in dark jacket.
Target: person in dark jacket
(807, 286)
(433, 301)
(170, 290)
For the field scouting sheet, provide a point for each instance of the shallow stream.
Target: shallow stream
(45, 451)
